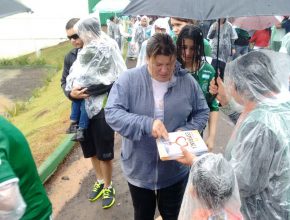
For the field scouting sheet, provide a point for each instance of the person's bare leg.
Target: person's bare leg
(107, 170)
(98, 187)
(97, 168)
(109, 191)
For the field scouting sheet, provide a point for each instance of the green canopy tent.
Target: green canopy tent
(108, 8)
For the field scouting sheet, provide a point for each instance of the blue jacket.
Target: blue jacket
(130, 111)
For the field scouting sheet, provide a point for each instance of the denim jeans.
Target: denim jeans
(78, 113)
(167, 199)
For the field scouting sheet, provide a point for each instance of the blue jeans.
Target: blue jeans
(168, 200)
(78, 113)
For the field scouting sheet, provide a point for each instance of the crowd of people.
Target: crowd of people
(183, 78)
(180, 66)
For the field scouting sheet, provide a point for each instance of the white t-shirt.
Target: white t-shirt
(159, 89)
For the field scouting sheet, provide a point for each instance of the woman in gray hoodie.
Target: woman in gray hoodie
(144, 104)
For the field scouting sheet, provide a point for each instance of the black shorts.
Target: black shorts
(99, 139)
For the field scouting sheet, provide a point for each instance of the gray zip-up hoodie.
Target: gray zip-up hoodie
(130, 111)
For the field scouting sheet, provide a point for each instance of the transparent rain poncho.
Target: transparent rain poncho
(259, 148)
(285, 46)
(98, 62)
(161, 23)
(212, 191)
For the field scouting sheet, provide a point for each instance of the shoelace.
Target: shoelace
(106, 193)
(96, 187)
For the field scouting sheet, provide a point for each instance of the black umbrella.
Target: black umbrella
(10, 7)
(208, 9)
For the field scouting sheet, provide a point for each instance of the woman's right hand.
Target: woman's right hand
(159, 130)
(79, 93)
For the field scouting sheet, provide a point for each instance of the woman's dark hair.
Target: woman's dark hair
(195, 34)
(160, 44)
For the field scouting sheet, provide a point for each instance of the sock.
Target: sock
(100, 181)
(111, 185)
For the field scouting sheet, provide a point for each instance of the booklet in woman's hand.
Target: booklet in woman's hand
(170, 149)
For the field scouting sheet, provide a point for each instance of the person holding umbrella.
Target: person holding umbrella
(259, 147)
(190, 53)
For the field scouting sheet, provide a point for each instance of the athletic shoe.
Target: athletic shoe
(97, 191)
(108, 197)
(72, 128)
(80, 135)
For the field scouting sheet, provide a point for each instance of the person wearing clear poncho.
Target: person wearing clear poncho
(212, 190)
(99, 62)
(91, 76)
(159, 26)
(259, 147)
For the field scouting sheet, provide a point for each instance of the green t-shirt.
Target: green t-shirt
(16, 161)
(203, 76)
(207, 48)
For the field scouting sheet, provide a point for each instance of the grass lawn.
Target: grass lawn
(45, 117)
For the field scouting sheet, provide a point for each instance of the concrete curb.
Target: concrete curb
(49, 166)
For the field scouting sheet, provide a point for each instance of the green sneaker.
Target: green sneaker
(97, 191)
(108, 197)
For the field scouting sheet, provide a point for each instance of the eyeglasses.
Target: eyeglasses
(74, 36)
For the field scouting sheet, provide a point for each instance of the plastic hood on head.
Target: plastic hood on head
(212, 190)
(259, 76)
(88, 29)
(98, 62)
(161, 23)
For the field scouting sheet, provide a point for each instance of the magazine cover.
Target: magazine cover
(170, 149)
